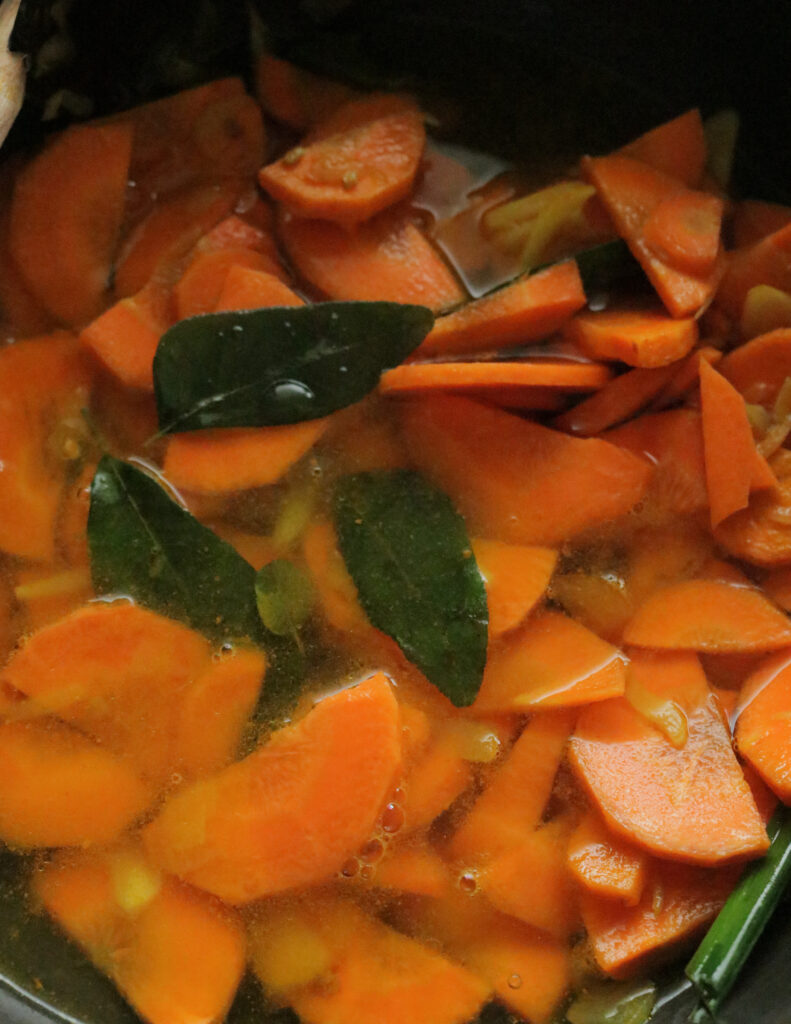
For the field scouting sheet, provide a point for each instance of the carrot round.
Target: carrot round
(516, 579)
(688, 803)
(360, 160)
(763, 723)
(636, 337)
(291, 813)
(677, 148)
(759, 369)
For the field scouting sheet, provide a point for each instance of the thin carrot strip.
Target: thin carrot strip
(686, 376)
(485, 379)
(618, 400)
(677, 148)
(643, 338)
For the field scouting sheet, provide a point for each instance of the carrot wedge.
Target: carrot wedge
(766, 262)
(604, 863)
(642, 338)
(66, 216)
(686, 376)
(677, 148)
(762, 722)
(759, 368)
(201, 284)
(706, 615)
(653, 792)
(516, 579)
(618, 400)
(561, 485)
(247, 288)
(486, 380)
(527, 310)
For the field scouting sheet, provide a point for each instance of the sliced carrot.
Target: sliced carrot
(336, 589)
(684, 231)
(777, 586)
(234, 232)
(678, 902)
(687, 802)
(644, 338)
(759, 369)
(686, 376)
(552, 661)
(531, 485)
(66, 216)
(176, 954)
(415, 868)
(294, 96)
(765, 309)
(706, 615)
(632, 192)
(21, 313)
(618, 400)
(218, 461)
(438, 777)
(516, 579)
(527, 310)
(760, 534)
(332, 962)
(44, 382)
(765, 799)
(767, 261)
(605, 864)
(125, 337)
(754, 219)
(358, 161)
(677, 148)
(387, 258)
(247, 288)
(510, 807)
(291, 813)
(62, 789)
(762, 722)
(45, 594)
(201, 284)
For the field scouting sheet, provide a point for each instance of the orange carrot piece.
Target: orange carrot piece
(45, 594)
(763, 720)
(552, 661)
(125, 337)
(759, 369)
(371, 974)
(516, 579)
(291, 813)
(760, 534)
(387, 258)
(42, 382)
(247, 288)
(218, 461)
(605, 864)
(294, 96)
(201, 284)
(677, 148)
(618, 400)
(512, 804)
(777, 587)
(234, 232)
(416, 869)
(527, 310)
(686, 376)
(754, 220)
(684, 231)
(767, 261)
(643, 338)
(532, 882)
(765, 799)
(354, 164)
(632, 191)
(62, 789)
(706, 615)
(654, 792)
(678, 901)
(485, 380)
(21, 314)
(438, 777)
(66, 216)
(335, 587)
(176, 954)
(532, 485)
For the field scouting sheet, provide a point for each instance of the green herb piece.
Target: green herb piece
(714, 968)
(266, 367)
(613, 1002)
(284, 595)
(409, 555)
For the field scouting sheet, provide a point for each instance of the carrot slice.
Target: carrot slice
(632, 191)
(294, 96)
(706, 615)
(677, 148)
(291, 813)
(754, 219)
(686, 376)
(218, 461)
(604, 863)
(516, 579)
(486, 379)
(552, 661)
(618, 400)
(201, 284)
(765, 262)
(21, 313)
(336, 589)
(247, 288)
(415, 869)
(357, 162)
(176, 954)
(438, 777)
(387, 258)
(759, 369)
(531, 485)
(677, 903)
(511, 806)
(684, 231)
(760, 534)
(66, 216)
(688, 802)
(777, 587)
(62, 789)
(762, 722)
(636, 337)
(527, 310)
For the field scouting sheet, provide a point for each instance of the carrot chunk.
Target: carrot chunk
(637, 337)
(677, 148)
(527, 310)
(66, 216)
(516, 579)
(357, 162)
(247, 288)
(759, 369)
(387, 258)
(618, 400)
(708, 615)
(292, 812)
(487, 380)
(531, 485)
(685, 801)
(604, 863)
(552, 661)
(762, 723)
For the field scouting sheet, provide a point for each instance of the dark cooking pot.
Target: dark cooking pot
(532, 79)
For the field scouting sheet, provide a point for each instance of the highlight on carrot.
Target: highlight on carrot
(644, 338)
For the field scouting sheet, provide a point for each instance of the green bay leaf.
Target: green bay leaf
(409, 555)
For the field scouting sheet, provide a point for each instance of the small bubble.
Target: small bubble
(292, 393)
(372, 851)
(515, 981)
(350, 868)
(350, 179)
(392, 818)
(367, 873)
(176, 779)
(468, 882)
(399, 795)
